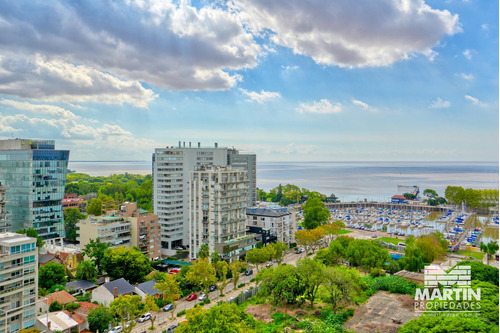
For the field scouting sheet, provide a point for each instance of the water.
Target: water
(350, 181)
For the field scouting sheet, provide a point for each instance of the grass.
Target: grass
(343, 232)
(392, 240)
(470, 253)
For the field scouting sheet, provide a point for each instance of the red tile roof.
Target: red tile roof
(85, 308)
(397, 196)
(63, 297)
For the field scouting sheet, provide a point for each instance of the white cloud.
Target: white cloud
(439, 103)
(288, 149)
(467, 76)
(475, 101)
(468, 54)
(289, 68)
(484, 27)
(364, 105)
(52, 110)
(113, 46)
(323, 106)
(263, 96)
(371, 33)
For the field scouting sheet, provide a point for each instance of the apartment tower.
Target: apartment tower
(34, 173)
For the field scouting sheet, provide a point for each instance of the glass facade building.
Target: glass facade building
(34, 173)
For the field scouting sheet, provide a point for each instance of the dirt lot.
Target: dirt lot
(383, 312)
(263, 312)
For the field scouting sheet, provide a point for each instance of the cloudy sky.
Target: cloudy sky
(315, 80)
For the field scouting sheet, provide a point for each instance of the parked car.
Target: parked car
(269, 264)
(171, 329)
(192, 297)
(168, 307)
(374, 236)
(212, 288)
(202, 297)
(116, 329)
(248, 272)
(402, 244)
(144, 317)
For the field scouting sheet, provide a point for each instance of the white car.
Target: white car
(202, 297)
(117, 329)
(144, 317)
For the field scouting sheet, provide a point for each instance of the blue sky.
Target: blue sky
(290, 80)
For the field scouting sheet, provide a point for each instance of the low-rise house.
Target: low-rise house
(147, 288)
(398, 199)
(80, 286)
(60, 321)
(62, 297)
(46, 258)
(84, 310)
(107, 293)
(70, 260)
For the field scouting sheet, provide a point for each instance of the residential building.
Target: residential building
(145, 229)
(112, 229)
(80, 286)
(61, 321)
(18, 281)
(62, 297)
(248, 162)
(73, 200)
(34, 173)
(147, 288)
(171, 174)
(107, 293)
(4, 223)
(217, 206)
(281, 222)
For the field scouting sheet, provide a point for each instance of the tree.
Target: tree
(71, 218)
(202, 274)
(218, 319)
(129, 263)
(29, 330)
(430, 193)
(50, 274)
(72, 306)
(86, 270)
(315, 213)
(282, 284)
(482, 272)
(489, 249)
(279, 251)
(312, 275)
(95, 250)
(204, 251)
(414, 259)
(409, 196)
(235, 268)
(99, 319)
(367, 254)
(55, 306)
(170, 290)
(31, 232)
(94, 207)
(257, 257)
(342, 285)
(151, 306)
(433, 246)
(329, 230)
(125, 307)
(305, 238)
(222, 270)
(214, 258)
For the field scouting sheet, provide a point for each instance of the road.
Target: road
(163, 319)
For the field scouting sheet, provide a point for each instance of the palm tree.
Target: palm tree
(489, 249)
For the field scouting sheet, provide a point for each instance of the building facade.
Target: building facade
(34, 173)
(145, 229)
(217, 206)
(171, 173)
(247, 162)
(4, 223)
(280, 222)
(18, 282)
(112, 229)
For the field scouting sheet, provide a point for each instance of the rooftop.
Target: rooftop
(270, 212)
(59, 321)
(123, 287)
(63, 297)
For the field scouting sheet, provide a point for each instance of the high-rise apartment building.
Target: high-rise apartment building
(171, 173)
(34, 173)
(4, 224)
(248, 162)
(112, 229)
(18, 281)
(217, 212)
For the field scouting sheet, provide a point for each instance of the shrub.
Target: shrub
(390, 283)
(241, 285)
(181, 313)
(55, 306)
(252, 279)
(376, 272)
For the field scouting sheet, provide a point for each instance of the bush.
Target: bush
(72, 306)
(241, 285)
(181, 313)
(55, 306)
(293, 245)
(252, 279)
(390, 283)
(376, 272)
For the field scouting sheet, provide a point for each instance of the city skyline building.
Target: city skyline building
(34, 173)
(171, 170)
(217, 212)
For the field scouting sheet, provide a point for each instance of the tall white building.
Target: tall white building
(171, 173)
(18, 281)
(217, 212)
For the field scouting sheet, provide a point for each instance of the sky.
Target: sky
(290, 80)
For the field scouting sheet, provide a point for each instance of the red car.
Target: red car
(192, 297)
